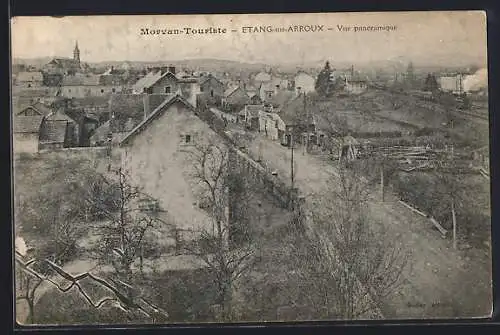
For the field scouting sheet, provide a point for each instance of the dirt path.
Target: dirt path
(441, 282)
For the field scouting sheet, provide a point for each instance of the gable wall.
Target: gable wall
(157, 158)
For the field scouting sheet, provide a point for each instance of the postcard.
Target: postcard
(251, 168)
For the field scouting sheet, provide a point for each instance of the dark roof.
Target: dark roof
(53, 131)
(125, 106)
(60, 115)
(27, 124)
(157, 112)
(205, 78)
(131, 106)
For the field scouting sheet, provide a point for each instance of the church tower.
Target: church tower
(76, 53)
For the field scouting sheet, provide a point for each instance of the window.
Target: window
(188, 138)
(201, 89)
(212, 93)
(113, 90)
(102, 90)
(69, 90)
(167, 89)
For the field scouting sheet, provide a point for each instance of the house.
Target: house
(86, 85)
(355, 86)
(271, 125)
(250, 116)
(304, 83)
(96, 105)
(56, 134)
(298, 119)
(26, 130)
(23, 97)
(211, 87)
(86, 123)
(29, 79)
(164, 81)
(156, 155)
(36, 109)
(128, 110)
(452, 84)
(59, 130)
(235, 98)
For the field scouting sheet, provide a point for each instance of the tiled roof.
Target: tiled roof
(53, 131)
(27, 124)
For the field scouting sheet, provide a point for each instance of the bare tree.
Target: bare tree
(351, 259)
(122, 235)
(225, 262)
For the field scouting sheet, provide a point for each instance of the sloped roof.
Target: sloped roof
(147, 80)
(81, 80)
(59, 115)
(54, 131)
(27, 124)
(131, 106)
(162, 107)
(125, 106)
(230, 91)
(101, 133)
(208, 77)
(41, 108)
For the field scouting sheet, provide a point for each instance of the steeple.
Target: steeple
(76, 53)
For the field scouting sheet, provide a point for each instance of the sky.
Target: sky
(422, 37)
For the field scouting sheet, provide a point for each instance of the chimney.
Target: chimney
(145, 100)
(171, 69)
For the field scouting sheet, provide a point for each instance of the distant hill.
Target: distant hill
(398, 64)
